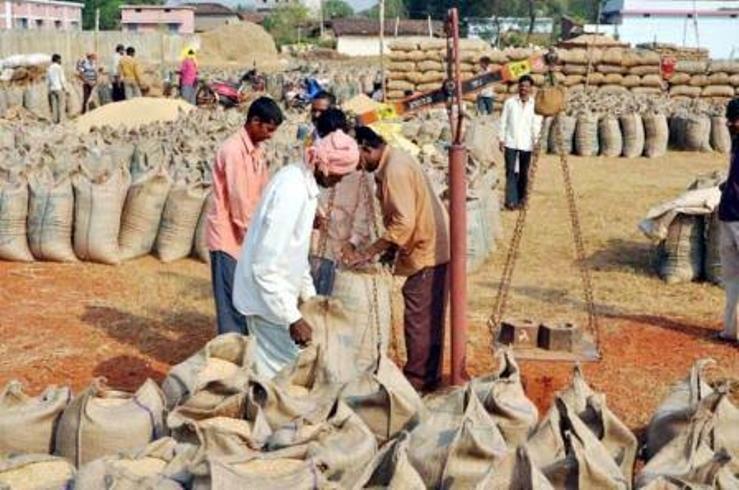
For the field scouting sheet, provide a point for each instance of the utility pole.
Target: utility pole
(97, 28)
(323, 20)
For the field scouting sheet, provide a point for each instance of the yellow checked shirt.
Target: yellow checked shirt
(415, 218)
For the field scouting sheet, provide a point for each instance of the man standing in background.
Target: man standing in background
(519, 134)
(486, 99)
(240, 174)
(728, 215)
(87, 71)
(118, 93)
(131, 76)
(57, 85)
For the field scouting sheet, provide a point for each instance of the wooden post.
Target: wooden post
(97, 29)
(431, 29)
(382, 49)
(397, 25)
(323, 20)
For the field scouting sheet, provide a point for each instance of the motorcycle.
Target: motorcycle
(229, 94)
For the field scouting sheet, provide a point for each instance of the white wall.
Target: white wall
(369, 45)
(718, 34)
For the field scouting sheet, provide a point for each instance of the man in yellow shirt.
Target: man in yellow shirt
(131, 75)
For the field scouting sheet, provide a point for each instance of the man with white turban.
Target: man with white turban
(273, 272)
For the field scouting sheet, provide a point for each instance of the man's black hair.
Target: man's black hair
(120, 48)
(325, 95)
(330, 121)
(486, 60)
(526, 78)
(130, 51)
(266, 110)
(732, 109)
(367, 137)
(56, 58)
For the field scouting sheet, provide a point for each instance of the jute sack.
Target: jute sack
(720, 135)
(384, 400)
(728, 66)
(73, 102)
(680, 256)
(179, 221)
(454, 446)
(97, 215)
(570, 455)
(563, 131)
(142, 212)
(399, 85)
(35, 99)
(632, 130)
(402, 66)
(591, 408)
(714, 473)
(675, 412)
(26, 422)
(515, 472)
(698, 454)
(630, 81)
(656, 135)
(366, 299)
(260, 472)
(685, 90)
(586, 135)
(160, 465)
(642, 91)
(734, 80)
(35, 472)
(13, 216)
(100, 422)
(713, 244)
(644, 70)
(221, 359)
(50, 216)
(595, 79)
(391, 468)
(609, 134)
(692, 67)
(696, 133)
(680, 79)
(402, 76)
(550, 101)
(718, 91)
(431, 66)
(652, 81)
(698, 81)
(572, 80)
(574, 69)
(719, 79)
(200, 242)
(612, 69)
(404, 45)
(613, 79)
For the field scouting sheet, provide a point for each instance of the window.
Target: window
(21, 23)
(647, 15)
(132, 27)
(690, 16)
(39, 24)
(58, 25)
(173, 27)
(166, 11)
(138, 11)
(74, 25)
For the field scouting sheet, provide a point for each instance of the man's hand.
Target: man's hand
(501, 147)
(356, 257)
(320, 222)
(301, 332)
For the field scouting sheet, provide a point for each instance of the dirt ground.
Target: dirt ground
(67, 323)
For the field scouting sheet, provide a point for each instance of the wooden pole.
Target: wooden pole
(323, 20)
(97, 28)
(397, 25)
(431, 29)
(382, 49)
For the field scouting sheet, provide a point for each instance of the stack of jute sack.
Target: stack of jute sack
(708, 79)
(685, 232)
(113, 195)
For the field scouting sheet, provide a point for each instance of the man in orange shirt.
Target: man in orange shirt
(240, 175)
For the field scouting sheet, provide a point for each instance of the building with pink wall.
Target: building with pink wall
(40, 14)
(158, 18)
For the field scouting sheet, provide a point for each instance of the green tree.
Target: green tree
(393, 9)
(337, 9)
(284, 21)
(110, 14)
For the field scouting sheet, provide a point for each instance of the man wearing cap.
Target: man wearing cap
(728, 215)
(273, 274)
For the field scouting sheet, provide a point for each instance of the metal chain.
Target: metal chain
(501, 300)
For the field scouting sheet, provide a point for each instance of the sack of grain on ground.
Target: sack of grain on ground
(391, 468)
(13, 218)
(720, 135)
(50, 216)
(575, 69)
(403, 66)
(563, 131)
(98, 205)
(35, 472)
(586, 135)
(680, 79)
(27, 422)
(691, 132)
(260, 472)
(652, 81)
(609, 134)
(718, 91)
(656, 135)
(680, 255)
(632, 130)
(35, 99)
(179, 221)
(698, 81)
(691, 67)
(631, 81)
(728, 66)
(685, 90)
(713, 248)
(101, 422)
(644, 70)
(612, 69)
(720, 78)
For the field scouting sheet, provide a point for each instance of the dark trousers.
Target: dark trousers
(222, 269)
(86, 94)
(118, 92)
(323, 272)
(516, 184)
(485, 105)
(424, 294)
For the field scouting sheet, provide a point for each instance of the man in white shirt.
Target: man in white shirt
(519, 135)
(57, 85)
(272, 274)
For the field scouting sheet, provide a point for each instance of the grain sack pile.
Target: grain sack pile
(324, 422)
(685, 232)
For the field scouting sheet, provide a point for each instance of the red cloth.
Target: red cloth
(188, 72)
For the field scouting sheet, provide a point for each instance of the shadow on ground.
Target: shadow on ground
(127, 372)
(624, 256)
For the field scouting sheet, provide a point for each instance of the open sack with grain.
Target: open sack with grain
(685, 232)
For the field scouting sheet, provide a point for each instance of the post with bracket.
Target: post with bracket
(457, 206)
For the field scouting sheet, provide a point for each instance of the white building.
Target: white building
(490, 28)
(701, 23)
